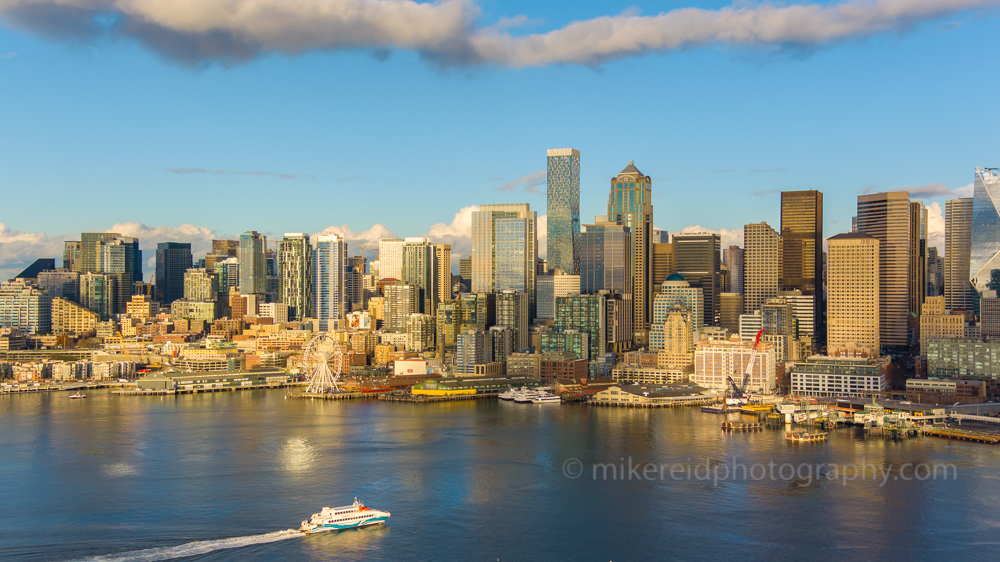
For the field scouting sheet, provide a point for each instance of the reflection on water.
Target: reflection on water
(220, 475)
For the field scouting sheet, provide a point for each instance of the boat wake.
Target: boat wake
(194, 548)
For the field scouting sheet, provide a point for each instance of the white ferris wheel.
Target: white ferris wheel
(322, 353)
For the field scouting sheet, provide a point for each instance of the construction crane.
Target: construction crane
(738, 394)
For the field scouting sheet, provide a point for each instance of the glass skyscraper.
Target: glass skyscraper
(504, 249)
(604, 259)
(253, 264)
(329, 259)
(802, 248)
(563, 208)
(172, 260)
(295, 258)
(985, 227)
(631, 204)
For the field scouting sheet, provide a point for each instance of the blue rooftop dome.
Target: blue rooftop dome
(676, 277)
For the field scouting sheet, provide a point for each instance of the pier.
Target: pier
(963, 435)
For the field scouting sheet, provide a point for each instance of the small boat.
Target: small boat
(77, 396)
(525, 397)
(546, 398)
(805, 437)
(340, 518)
(508, 394)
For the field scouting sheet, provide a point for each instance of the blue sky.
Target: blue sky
(108, 130)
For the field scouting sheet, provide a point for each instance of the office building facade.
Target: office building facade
(958, 292)
(802, 249)
(295, 255)
(853, 292)
(631, 204)
(887, 217)
(172, 260)
(563, 209)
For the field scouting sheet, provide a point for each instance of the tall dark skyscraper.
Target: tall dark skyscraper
(172, 260)
(253, 263)
(631, 204)
(802, 249)
(563, 208)
(696, 258)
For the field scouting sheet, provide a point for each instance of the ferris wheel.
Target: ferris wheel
(316, 362)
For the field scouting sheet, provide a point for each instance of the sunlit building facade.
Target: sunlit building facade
(563, 208)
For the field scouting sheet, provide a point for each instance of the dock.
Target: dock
(962, 435)
(424, 398)
(334, 395)
(741, 426)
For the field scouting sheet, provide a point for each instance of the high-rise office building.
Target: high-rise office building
(732, 257)
(730, 310)
(172, 260)
(504, 249)
(228, 248)
(97, 293)
(663, 263)
(25, 307)
(473, 347)
(918, 256)
(71, 255)
(420, 270)
(761, 265)
(513, 311)
(935, 273)
(802, 247)
(605, 259)
(556, 284)
(61, 283)
(853, 293)
(985, 252)
(676, 290)
(400, 301)
(958, 292)
(563, 208)
(390, 258)
(90, 250)
(886, 216)
(295, 256)
(631, 204)
(585, 314)
(253, 263)
(442, 265)
(329, 264)
(465, 272)
(354, 282)
(121, 257)
(696, 259)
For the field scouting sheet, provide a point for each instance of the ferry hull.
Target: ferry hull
(329, 527)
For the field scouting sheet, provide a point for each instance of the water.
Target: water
(224, 476)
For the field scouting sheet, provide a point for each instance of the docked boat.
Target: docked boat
(544, 397)
(340, 518)
(508, 394)
(805, 437)
(525, 396)
(77, 396)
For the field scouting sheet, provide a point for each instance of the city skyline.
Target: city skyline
(262, 135)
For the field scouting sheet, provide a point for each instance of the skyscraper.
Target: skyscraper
(512, 312)
(563, 208)
(985, 252)
(504, 249)
(853, 292)
(958, 254)
(586, 314)
(802, 247)
(918, 256)
(172, 260)
(295, 256)
(605, 259)
(390, 258)
(696, 259)
(25, 307)
(886, 216)
(90, 250)
(329, 262)
(442, 265)
(761, 265)
(354, 274)
(253, 264)
(419, 270)
(732, 258)
(631, 204)
(71, 255)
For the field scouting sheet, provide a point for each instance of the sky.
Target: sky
(187, 120)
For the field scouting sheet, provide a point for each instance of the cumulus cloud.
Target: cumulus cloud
(184, 171)
(530, 183)
(458, 233)
(355, 239)
(446, 33)
(19, 249)
(728, 237)
(935, 227)
(929, 191)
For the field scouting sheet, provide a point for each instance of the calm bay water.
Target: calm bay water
(220, 476)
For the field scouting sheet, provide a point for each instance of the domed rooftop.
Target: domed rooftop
(676, 277)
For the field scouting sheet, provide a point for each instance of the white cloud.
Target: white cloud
(935, 227)
(20, 249)
(445, 32)
(964, 191)
(530, 183)
(354, 239)
(728, 237)
(458, 233)
(543, 236)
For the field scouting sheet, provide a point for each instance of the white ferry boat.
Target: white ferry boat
(544, 397)
(525, 396)
(508, 394)
(348, 517)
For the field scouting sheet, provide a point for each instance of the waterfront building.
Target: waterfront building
(512, 311)
(295, 258)
(552, 285)
(24, 307)
(563, 209)
(963, 357)
(636, 374)
(887, 217)
(715, 361)
(555, 367)
(802, 251)
(696, 259)
(831, 377)
(938, 322)
(253, 264)
(172, 260)
(97, 293)
(675, 290)
(329, 264)
(730, 309)
(390, 258)
(605, 263)
(60, 283)
(420, 331)
(853, 293)
(528, 365)
(732, 258)
(761, 264)
(985, 249)
(505, 250)
(400, 301)
(584, 313)
(419, 270)
(958, 289)
(630, 204)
